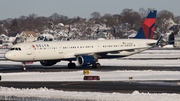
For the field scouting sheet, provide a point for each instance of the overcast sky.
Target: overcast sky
(82, 8)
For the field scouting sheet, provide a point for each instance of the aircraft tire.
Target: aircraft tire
(96, 65)
(71, 65)
(23, 68)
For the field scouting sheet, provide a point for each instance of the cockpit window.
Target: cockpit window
(12, 49)
(17, 49)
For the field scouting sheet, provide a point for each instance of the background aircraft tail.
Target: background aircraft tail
(147, 29)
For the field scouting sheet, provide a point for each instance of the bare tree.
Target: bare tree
(14, 28)
(165, 14)
(162, 18)
(32, 16)
(9, 20)
(131, 17)
(117, 17)
(2, 29)
(54, 16)
(95, 15)
(177, 19)
(109, 20)
(143, 12)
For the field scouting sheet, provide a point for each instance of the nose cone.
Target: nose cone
(8, 55)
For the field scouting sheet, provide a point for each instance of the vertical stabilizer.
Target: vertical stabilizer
(147, 29)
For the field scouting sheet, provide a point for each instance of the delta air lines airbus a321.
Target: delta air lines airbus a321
(85, 52)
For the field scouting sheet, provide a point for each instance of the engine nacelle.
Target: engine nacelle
(48, 62)
(85, 60)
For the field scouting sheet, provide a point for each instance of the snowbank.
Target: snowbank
(55, 95)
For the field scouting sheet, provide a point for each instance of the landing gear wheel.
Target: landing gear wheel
(96, 65)
(23, 68)
(71, 65)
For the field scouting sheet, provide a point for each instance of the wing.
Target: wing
(102, 53)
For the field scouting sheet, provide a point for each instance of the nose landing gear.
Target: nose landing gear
(71, 65)
(24, 66)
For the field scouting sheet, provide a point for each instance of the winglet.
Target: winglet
(45, 38)
(147, 29)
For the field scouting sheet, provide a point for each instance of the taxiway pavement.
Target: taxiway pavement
(94, 86)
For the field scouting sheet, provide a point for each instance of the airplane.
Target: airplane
(85, 52)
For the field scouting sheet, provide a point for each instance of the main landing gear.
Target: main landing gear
(96, 65)
(71, 65)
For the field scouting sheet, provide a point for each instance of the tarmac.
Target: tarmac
(146, 86)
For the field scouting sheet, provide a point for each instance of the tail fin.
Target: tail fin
(147, 29)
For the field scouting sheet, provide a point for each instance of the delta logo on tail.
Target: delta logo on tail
(147, 29)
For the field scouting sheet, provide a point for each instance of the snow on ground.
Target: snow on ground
(104, 75)
(56, 95)
(119, 75)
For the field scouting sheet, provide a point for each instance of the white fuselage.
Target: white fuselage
(62, 50)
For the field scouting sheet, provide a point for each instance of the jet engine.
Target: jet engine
(85, 60)
(48, 62)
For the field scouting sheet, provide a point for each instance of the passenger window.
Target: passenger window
(19, 49)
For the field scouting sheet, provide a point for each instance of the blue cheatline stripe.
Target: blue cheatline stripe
(150, 30)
